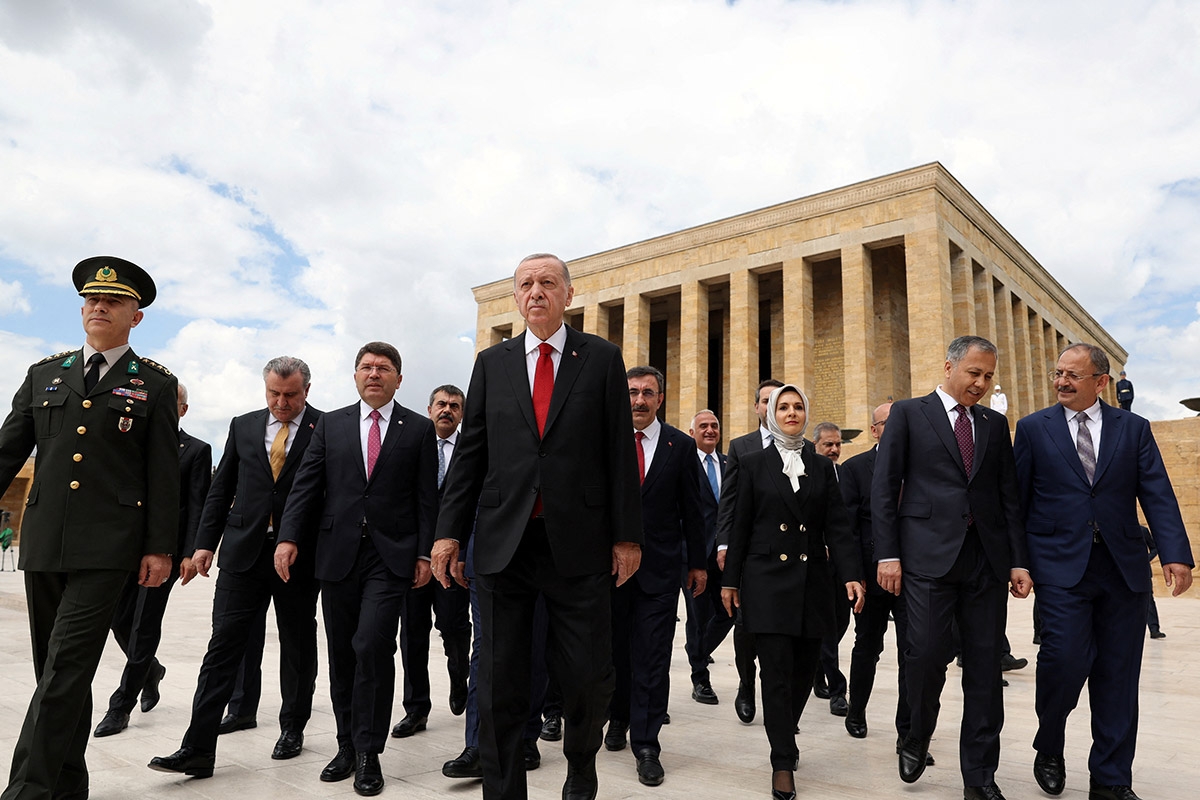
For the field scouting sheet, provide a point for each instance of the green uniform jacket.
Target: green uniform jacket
(106, 480)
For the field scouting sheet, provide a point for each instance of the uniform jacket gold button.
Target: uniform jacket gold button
(74, 484)
(801, 529)
(78, 457)
(81, 430)
(783, 556)
(783, 526)
(139, 503)
(87, 403)
(127, 408)
(45, 403)
(804, 556)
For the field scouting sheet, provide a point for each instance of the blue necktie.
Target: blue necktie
(711, 466)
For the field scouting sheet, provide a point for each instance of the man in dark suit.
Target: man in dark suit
(829, 682)
(644, 609)
(547, 459)
(452, 606)
(944, 509)
(104, 503)
(1083, 468)
(1124, 392)
(370, 475)
(707, 622)
(242, 514)
(743, 641)
(137, 623)
(871, 625)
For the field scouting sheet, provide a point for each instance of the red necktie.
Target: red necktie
(543, 386)
(373, 441)
(641, 456)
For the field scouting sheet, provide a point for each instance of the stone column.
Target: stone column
(1023, 383)
(635, 340)
(693, 350)
(858, 334)
(595, 320)
(743, 347)
(930, 300)
(797, 323)
(1037, 362)
(1006, 369)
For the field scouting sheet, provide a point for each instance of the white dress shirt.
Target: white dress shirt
(557, 340)
(273, 429)
(650, 443)
(716, 467)
(952, 415)
(1095, 421)
(364, 424)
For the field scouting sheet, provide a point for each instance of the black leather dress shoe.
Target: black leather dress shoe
(465, 766)
(368, 777)
(703, 693)
(1098, 791)
(1157, 634)
(1008, 662)
(289, 745)
(458, 697)
(838, 706)
(581, 782)
(929, 762)
(743, 704)
(1050, 772)
(666, 718)
(533, 756)
(912, 759)
(989, 792)
(856, 724)
(186, 760)
(649, 769)
(113, 722)
(614, 738)
(150, 695)
(551, 729)
(409, 725)
(341, 767)
(231, 723)
(820, 687)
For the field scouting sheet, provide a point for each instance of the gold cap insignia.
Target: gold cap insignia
(106, 274)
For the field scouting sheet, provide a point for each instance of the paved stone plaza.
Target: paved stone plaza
(707, 753)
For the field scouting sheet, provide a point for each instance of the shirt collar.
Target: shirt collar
(949, 402)
(385, 411)
(452, 438)
(651, 431)
(111, 356)
(557, 340)
(1093, 412)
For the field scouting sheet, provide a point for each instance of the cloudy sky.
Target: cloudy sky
(303, 176)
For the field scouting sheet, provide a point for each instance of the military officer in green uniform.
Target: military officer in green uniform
(104, 502)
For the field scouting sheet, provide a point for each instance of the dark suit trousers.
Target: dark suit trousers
(788, 664)
(828, 670)
(973, 594)
(707, 623)
(643, 633)
(1094, 632)
(744, 651)
(247, 689)
(137, 627)
(452, 607)
(69, 617)
(240, 600)
(362, 614)
(869, 629)
(579, 651)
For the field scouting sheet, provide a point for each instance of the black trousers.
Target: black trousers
(247, 689)
(362, 613)
(643, 633)
(828, 670)
(707, 623)
(869, 629)
(744, 651)
(788, 664)
(241, 598)
(137, 627)
(453, 619)
(579, 652)
(69, 617)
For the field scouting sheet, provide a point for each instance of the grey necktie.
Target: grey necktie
(441, 461)
(1083, 443)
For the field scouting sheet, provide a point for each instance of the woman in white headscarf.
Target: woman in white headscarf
(787, 511)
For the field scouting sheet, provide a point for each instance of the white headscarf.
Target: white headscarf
(789, 446)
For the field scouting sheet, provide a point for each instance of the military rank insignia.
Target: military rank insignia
(125, 424)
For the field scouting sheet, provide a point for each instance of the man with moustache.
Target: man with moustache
(104, 503)
(1083, 468)
(644, 609)
(370, 475)
(744, 651)
(829, 683)
(452, 605)
(241, 514)
(137, 623)
(707, 623)
(546, 458)
(944, 510)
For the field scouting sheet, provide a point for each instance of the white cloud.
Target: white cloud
(12, 298)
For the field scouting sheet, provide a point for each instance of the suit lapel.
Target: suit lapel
(394, 432)
(569, 366)
(982, 424)
(794, 500)
(117, 374)
(939, 420)
(1113, 424)
(258, 443)
(663, 452)
(518, 376)
(1056, 425)
(304, 429)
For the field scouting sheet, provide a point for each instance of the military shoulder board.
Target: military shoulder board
(156, 365)
(54, 357)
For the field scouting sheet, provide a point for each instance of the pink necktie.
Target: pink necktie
(373, 442)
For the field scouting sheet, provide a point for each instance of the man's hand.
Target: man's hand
(697, 579)
(1179, 576)
(445, 553)
(1022, 584)
(203, 560)
(627, 557)
(888, 576)
(154, 569)
(857, 594)
(730, 599)
(187, 570)
(423, 574)
(721, 559)
(458, 571)
(285, 556)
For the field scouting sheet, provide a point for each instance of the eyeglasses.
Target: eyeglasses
(636, 393)
(382, 369)
(879, 424)
(1058, 374)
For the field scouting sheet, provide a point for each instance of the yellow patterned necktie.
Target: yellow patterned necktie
(279, 451)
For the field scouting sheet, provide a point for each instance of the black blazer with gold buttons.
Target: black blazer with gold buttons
(777, 548)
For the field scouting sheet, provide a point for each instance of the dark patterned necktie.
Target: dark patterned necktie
(1083, 443)
(966, 442)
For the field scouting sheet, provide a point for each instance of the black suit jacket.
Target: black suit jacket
(244, 498)
(855, 483)
(672, 519)
(397, 507)
(584, 465)
(195, 477)
(739, 448)
(919, 459)
(778, 541)
(709, 505)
